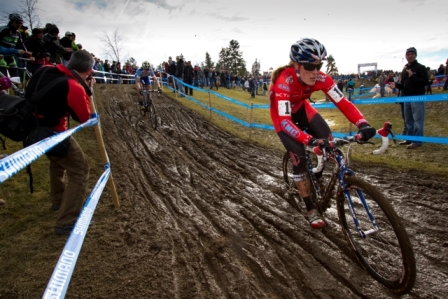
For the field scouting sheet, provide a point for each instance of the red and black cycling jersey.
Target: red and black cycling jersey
(288, 94)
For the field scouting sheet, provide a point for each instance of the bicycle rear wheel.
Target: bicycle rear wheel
(152, 114)
(386, 253)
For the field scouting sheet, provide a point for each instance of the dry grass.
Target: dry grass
(430, 158)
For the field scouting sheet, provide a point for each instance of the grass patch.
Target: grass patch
(430, 158)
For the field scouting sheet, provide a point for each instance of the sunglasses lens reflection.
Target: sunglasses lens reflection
(312, 67)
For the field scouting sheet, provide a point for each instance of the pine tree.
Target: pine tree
(231, 59)
(332, 69)
(208, 61)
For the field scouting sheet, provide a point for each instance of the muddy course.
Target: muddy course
(203, 215)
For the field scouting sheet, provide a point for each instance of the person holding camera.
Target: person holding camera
(69, 169)
(414, 80)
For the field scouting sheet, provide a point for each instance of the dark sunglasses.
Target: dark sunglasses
(312, 67)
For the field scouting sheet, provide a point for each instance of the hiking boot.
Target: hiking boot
(315, 219)
(67, 229)
(63, 230)
(404, 143)
(413, 146)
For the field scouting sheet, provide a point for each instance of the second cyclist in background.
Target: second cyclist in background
(142, 80)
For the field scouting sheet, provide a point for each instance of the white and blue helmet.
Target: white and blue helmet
(307, 50)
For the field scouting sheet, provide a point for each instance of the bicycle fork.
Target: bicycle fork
(350, 204)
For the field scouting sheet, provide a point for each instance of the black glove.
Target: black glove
(366, 132)
(159, 90)
(140, 92)
(322, 144)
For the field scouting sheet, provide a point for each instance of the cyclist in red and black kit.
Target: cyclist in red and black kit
(292, 114)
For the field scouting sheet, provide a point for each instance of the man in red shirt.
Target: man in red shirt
(291, 113)
(68, 173)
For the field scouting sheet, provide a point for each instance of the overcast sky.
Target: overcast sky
(353, 31)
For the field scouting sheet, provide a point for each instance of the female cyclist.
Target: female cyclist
(292, 114)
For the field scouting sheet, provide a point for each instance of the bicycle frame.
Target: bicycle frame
(339, 172)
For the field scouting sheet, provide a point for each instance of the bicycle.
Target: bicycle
(148, 106)
(369, 223)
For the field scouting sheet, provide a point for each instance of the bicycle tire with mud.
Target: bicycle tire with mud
(377, 251)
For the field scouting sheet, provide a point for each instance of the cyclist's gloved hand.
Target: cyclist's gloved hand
(366, 132)
(322, 144)
(140, 92)
(159, 90)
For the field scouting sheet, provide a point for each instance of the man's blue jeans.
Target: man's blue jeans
(179, 85)
(382, 90)
(414, 117)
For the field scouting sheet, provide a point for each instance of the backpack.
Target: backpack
(16, 120)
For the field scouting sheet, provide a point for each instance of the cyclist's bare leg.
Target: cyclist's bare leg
(304, 188)
(139, 86)
(303, 185)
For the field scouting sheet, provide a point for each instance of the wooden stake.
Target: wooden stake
(102, 148)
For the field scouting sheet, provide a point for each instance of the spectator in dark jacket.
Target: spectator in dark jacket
(66, 42)
(252, 85)
(414, 79)
(35, 45)
(172, 72)
(180, 74)
(53, 46)
(188, 77)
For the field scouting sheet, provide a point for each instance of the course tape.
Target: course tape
(15, 162)
(62, 273)
(423, 98)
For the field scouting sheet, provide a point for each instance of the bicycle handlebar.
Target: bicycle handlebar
(383, 132)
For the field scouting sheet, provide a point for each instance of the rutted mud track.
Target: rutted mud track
(204, 216)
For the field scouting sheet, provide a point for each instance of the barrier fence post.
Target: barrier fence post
(210, 104)
(99, 139)
(250, 120)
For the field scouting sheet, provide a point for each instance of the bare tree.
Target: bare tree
(113, 45)
(29, 11)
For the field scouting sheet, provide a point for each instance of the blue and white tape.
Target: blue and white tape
(15, 162)
(62, 273)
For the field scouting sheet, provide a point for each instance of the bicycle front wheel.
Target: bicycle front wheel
(294, 198)
(141, 109)
(152, 115)
(384, 251)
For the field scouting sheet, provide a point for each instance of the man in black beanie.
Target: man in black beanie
(414, 79)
